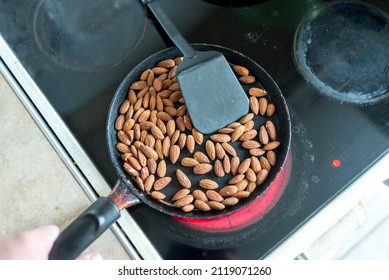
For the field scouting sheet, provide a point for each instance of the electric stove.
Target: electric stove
(329, 58)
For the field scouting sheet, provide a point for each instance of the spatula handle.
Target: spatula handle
(170, 29)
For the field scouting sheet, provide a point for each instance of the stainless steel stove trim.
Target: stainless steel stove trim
(75, 158)
(359, 191)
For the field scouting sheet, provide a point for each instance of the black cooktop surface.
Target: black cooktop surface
(329, 58)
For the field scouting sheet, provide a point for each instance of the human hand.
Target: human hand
(34, 244)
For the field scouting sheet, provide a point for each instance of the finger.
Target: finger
(90, 256)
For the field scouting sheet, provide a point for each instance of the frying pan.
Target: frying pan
(106, 210)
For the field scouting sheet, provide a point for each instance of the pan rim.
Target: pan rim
(134, 74)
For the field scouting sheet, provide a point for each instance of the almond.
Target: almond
(230, 201)
(261, 176)
(256, 152)
(271, 145)
(242, 185)
(201, 205)
(216, 205)
(270, 109)
(263, 136)
(130, 170)
(159, 70)
(247, 79)
(180, 194)
(234, 162)
(138, 85)
(174, 153)
(149, 152)
(214, 195)
(135, 163)
(221, 138)
(229, 149)
(161, 168)
(271, 157)
(208, 184)
(149, 182)
(246, 118)
(119, 122)
(241, 70)
(236, 179)
(183, 180)
(251, 144)
(158, 148)
(202, 168)
(139, 183)
(144, 75)
(157, 133)
(271, 130)
(262, 106)
(187, 208)
(161, 183)
(184, 201)
(219, 150)
(198, 136)
(157, 195)
(210, 149)
(167, 63)
(254, 105)
(190, 143)
(182, 140)
(226, 164)
(152, 166)
(248, 135)
(244, 165)
(228, 190)
(264, 163)
(201, 157)
(218, 168)
(170, 127)
(200, 195)
(238, 132)
(166, 146)
(251, 187)
(250, 175)
(144, 116)
(257, 92)
(123, 137)
(189, 162)
(255, 164)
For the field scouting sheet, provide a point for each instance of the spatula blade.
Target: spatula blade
(212, 93)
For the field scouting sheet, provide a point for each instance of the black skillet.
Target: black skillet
(106, 210)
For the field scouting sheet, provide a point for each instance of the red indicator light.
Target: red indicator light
(336, 163)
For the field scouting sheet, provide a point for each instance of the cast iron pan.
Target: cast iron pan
(106, 210)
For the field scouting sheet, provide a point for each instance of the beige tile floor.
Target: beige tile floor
(35, 186)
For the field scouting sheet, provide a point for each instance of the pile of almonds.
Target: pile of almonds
(156, 137)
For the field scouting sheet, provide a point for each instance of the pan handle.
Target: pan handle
(85, 229)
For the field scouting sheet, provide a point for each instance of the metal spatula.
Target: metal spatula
(212, 92)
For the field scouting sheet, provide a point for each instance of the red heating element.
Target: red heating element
(249, 214)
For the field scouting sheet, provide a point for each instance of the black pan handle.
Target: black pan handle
(85, 229)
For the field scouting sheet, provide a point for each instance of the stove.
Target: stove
(329, 58)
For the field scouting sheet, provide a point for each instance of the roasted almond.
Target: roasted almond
(189, 162)
(187, 208)
(208, 184)
(149, 152)
(242, 185)
(149, 182)
(198, 136)
(182, 140)
(247, 79)
(183, 180)
(184, 201)
(255, 164)
(250, 175)
(251, 187)
(264, 163)
(190, 143)
(236, 179)
(226, 164)
(174, 153)
(167, 63)
(271, 108)
(201, 157)
(180, 194)
(157, 195)
(257, 92)
(238, 132)
(214, 195)
(218, 168)
(130, 170)
(229, 149)
(202, 168)
(123, 137)
(138, 85)
(119, 122)
(210, 149)
(254, 105)
(230, 201)
(161, 183)
(200, 195)
(139, 183)
(228, 190)
(234, 162)
(271, 145)
(241, 70)
(216, 205)
(251, 144)
(219, 150)
(271, 130)
(201, 205)
(157, 133)
(256, 152)
(246, 118)
(135, 163)
(244, 165)
(166, 143)
(170, 127)
(261, 176)
(221, 137)
(161, 168)
(159, 70)
(262, 105)
(271, 157)
(152, 166)
(263, 136)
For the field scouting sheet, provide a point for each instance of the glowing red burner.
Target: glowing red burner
(249, 214)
